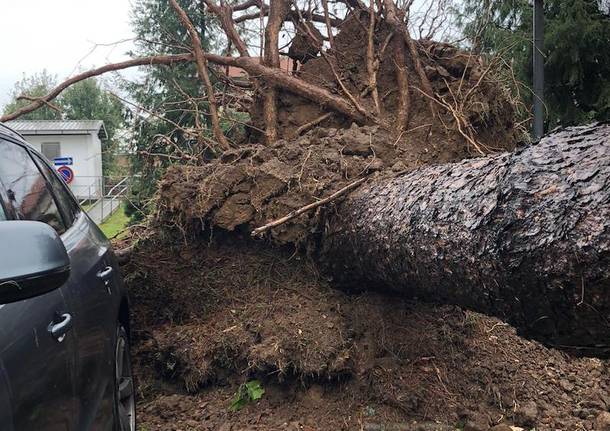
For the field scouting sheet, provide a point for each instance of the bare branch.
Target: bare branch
(252, 66)
(224, 13)
(292, 14)
(143, 61)
(329, 28)
(247, 4)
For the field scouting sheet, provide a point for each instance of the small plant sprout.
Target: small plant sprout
(247, 392)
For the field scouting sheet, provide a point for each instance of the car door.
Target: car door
(37, 369)
(89, 294)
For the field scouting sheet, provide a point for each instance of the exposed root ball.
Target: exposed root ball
(252, 185)
(458, 78)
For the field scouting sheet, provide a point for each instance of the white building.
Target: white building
(72, 146)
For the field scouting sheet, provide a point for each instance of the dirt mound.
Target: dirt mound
(211, 317)
(219, 310)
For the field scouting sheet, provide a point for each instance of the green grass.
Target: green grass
(115, 224)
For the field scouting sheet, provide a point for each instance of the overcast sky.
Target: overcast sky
(60, 36)
(65, 36)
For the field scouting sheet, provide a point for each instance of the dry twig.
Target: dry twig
(298, 212)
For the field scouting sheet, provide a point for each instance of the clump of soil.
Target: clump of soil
(209, 317)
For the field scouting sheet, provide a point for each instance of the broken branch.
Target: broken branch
(298, 212)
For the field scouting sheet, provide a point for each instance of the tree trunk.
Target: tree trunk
(524, 236)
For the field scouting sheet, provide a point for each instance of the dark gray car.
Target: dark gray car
(64, 346)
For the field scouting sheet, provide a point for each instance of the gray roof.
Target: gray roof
(58, 127)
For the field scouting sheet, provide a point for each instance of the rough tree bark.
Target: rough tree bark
(524, 236)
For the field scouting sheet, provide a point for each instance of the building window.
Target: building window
(51, 150)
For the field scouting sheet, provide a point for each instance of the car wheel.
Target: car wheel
(124, 394)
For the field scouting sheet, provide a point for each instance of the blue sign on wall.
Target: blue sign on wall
(63, 161)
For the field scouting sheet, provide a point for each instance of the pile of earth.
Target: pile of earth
(214, 309)
(209, 317)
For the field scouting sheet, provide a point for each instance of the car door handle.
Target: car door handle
(58, 329)
(105, 273)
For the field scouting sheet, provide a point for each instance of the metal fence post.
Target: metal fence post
(538, 69)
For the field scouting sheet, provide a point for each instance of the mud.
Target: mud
(209, 317)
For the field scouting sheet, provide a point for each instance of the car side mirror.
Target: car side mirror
(33, 260)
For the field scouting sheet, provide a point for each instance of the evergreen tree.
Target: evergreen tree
(576, 51)
(174, 94)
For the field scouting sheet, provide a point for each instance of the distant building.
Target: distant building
(73, 147)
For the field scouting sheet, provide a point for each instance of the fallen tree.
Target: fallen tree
(508, 234)
(524, 236)
(368, 176)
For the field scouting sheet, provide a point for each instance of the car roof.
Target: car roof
(6, 131)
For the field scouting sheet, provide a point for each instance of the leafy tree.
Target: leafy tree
(86, 100)
(36, 85)
(577, 51)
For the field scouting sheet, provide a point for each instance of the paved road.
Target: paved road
(103, 209)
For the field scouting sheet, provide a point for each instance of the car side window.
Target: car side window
(66, 202)
(26, 187)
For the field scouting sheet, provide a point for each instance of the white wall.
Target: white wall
(86, 152)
